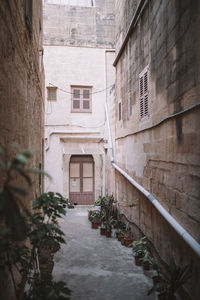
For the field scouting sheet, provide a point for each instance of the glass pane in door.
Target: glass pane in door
(75, 185)
(87, 170)
(75, 177)
(87, 184)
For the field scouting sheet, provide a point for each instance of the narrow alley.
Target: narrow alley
(95, 267)
(99, 106)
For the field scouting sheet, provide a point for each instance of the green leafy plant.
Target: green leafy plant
(106, 203)
(45, 288)
(139, 247)
(173, 277)
(18, 225)
(147, 258)
(90, 213)
(109, 223)
(46, 230)
(14, 227)
(95, 216)
(119, 233)
(11, 195)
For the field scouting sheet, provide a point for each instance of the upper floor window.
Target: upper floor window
(84, 3)
(51, 93)
(81, 99)
(144, 92)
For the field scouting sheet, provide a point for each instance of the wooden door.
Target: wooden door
(81, 179)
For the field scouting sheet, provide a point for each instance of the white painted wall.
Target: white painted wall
(66, 66)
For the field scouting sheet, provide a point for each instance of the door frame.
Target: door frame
(83, 159)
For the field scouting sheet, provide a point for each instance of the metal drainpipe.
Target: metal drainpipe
(107, 116)
(192, 243)
(177, 227)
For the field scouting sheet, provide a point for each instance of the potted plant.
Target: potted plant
(119, 233)
(90, 214)
(128, 239)
(139, 248)
(146, 260)
(109, 224)
(173, 277)
(103, 229)
(155, 266)
(95, 219)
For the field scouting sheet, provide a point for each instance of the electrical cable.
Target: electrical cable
(100, 91)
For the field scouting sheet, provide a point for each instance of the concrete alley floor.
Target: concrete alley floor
(95, 267)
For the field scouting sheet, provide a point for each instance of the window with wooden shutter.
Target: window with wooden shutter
(144, 92)
(81, 99)
(76, 98)
(51, 93)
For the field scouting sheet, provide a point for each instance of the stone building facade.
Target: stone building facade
(21, 77)
(78, 58)
(156, 128)
(21, 89)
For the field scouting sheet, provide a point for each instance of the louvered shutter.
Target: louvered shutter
(86, 99)
(144, 93)
(76, 98)
(141, 97)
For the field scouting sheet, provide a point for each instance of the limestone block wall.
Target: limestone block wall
(21, 77)
(21, 93)
(162, 150)
(80, 26)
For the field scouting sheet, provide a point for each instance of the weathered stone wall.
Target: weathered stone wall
(161, 151)
(124, 13)
(21, 92)
(80, 26)
(21, 80)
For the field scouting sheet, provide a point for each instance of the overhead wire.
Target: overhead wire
(100, 91)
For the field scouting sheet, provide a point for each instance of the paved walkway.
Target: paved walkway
(96, 267)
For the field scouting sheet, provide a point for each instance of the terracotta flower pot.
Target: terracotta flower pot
(108, 234)
(156, 279)
(122, 241)
(102, 231)
(146, 266)
(55, 248)
(138, 260)
(94, 225)
(128, 241)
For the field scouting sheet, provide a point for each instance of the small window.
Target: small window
(144, 92)
(120, 111)
(81, 99)
(51, 93)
